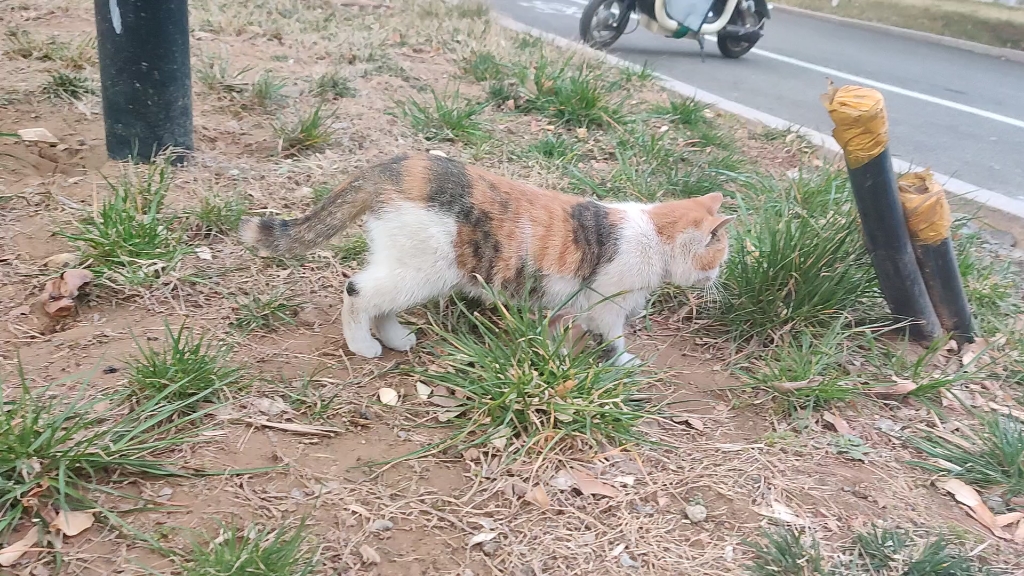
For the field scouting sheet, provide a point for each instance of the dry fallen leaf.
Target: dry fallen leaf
(370, 555)
(204, 252)
(359, 510)
(445, 401)
(838, 423)
(973, 350)
(538, 496)
(448, 415)
(779, 511)
(1010, 518)
(562, 389)
(590, 485)
(61, 260)
(482, 537)
(59, 293)
(976, 506)
(73, 523)
(902, 387)
(10, 554)
(423, 391)
(787, 387)
(388, 396)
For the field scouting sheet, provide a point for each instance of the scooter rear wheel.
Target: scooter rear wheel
(733, 48)
(602, 23)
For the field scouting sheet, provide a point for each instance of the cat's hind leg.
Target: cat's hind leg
(392, 333)
(357, 314)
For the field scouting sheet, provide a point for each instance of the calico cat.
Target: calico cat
(435, 225)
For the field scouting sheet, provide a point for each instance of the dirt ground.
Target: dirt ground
(738, 452)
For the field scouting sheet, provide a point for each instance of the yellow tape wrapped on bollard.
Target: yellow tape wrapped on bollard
(925, 207)
(861, 126)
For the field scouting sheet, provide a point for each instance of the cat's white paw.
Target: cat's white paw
(368, 348)
(626, 359)
(401, 344)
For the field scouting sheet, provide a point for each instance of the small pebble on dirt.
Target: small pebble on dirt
(381, 525)
(490, 548)
(696, 513)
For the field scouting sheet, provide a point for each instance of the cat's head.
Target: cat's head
(695, 235)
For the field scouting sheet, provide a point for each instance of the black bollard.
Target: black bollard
(146, 78)
(928, 221)
(862, 131)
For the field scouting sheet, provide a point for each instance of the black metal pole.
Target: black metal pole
(941, 275)
(146, 78)
(929, 220)
(862, 130)
(888, 243)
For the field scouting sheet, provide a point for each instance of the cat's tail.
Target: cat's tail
(279, 237)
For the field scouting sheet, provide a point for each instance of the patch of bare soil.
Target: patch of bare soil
(311, 414)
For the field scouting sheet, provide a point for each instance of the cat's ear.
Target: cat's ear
(719, 224)
(713, 200)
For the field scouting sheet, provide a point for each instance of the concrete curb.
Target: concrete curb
(1004, 53)
(994, 201)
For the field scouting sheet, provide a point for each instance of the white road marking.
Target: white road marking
(548, 7)
(894, 89)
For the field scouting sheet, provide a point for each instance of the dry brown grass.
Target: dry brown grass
(311, 408)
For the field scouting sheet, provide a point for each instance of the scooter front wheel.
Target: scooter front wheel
(603, 22)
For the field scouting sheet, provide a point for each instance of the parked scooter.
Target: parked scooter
(739, 24)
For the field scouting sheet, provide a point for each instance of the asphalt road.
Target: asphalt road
(958, 112)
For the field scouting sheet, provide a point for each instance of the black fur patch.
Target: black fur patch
(484, 247)
(594, 236)
(390, 171)
(449, 188)
(450, 191)
(351, 289)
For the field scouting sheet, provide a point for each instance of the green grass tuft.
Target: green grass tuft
(557, 148)
(992, 286)
(520, 393)
(484, 67)
(186, 368)
(570, 94)
(994, 459)
(254, 551)
(129, 240)
(74, 55)
(220, 215)
(352, 251)
(786, 552)
(448, 119)
(216, 75)
(59, 446)
(266, 90)
(797, 259)
(333, 84)
(686, 112)
(268, 312)
(68, 85)
(312, 132)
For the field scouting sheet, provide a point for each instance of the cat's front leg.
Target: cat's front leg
(609, 321)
